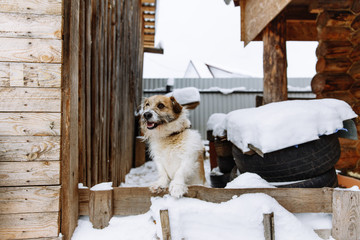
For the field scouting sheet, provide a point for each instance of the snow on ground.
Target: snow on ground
(283, 124)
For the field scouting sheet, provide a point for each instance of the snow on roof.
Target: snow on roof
(185, 95)
(283, 124)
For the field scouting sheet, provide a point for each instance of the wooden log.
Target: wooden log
(29, 199)
(29, 148)
(346, 215)
(269, 226)
(30, 75)
(342, 95)
(356, 23)
(339, 65)
(52, 7)
(354, 71)
(100, 208)
(30, 99)
(29, 173)
(334, 49)
(84, 198)
(325, 82)
(355, 38)
(301, 30)
(335, 19)
(317, 6)
(29, 225)
(30, 124)
(30, 26)
(356, 108)
(356, 7)
(334, 33)
(355, 89)
(165, 224)
(30, 50)
(349, 148)
(355, 54)
(275, 63)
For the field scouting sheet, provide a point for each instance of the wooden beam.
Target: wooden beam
(52, 7)
(301, 30)
(165, 224)
(257, 14)
(269, 228)
(100, 208)
(150, 49)
(69, 124)
(275, 62)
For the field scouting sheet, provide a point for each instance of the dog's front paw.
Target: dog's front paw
(157, 188)
(177, 190)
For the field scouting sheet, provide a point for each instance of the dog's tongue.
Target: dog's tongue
(150, 124)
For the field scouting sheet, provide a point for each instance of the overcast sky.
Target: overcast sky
(208, 31)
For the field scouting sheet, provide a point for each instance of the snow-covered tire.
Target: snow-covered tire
(293, 163)
(327, 179)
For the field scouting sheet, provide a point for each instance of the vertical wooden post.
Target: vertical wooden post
(275, 63)
(165, 224)
(269, 229)
(100, 208)
(69, 120)
(346, 215)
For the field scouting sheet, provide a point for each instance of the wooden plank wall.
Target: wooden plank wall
(110, 80)
(30, 115)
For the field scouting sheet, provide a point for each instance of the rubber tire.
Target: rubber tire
(219, 181)
(225, 164)
(293, 163)
(327, 179)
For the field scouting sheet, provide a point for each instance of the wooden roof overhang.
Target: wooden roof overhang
(300, 18)
(148, 8)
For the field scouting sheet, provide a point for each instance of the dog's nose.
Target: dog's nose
(147, 115)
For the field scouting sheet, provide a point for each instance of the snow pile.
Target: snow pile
(216, 122)
(102, 186)
(185, 95)
(223, 90)
(249, 180)
(142, 176)
(283, 124)
(239, 218)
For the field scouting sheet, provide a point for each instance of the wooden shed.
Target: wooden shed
(335, 24)
(70, 82)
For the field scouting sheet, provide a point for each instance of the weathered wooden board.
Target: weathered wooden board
(256, 15)
(346, 215)
(29, 199)
(29, 225)
(53, 7)
(30, 50)
(29, 148)
(30, 25)
(100, 208)
(31, 124)
(30, 75)
(130, 201)
(29, 173)
(30, 99)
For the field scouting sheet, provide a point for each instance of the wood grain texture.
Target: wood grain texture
(30, 124)
(29, 199)
(29, 173)
(29, 225)
(30, 50)
(30, 99)
(165, 224)
(131, 201)
(100, 208)
(30, 25)
(30, 75)
(346, 215)
(52, 7)
(29, 148)
(257, 15)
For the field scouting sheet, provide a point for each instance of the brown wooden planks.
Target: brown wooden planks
(30, 99)
(29, 225)
(30, 75)
(30, 25)
(52, 7)
(29, 148)
(30, 124)
(29, 173)
(29, 199)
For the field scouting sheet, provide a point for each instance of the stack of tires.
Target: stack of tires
(308, 165)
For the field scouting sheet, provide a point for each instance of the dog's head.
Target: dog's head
(158, 110)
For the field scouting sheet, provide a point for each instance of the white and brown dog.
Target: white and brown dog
(176, 149)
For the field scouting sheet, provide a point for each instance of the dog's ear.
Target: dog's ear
(176, 106)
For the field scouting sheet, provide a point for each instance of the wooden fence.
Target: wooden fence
(110, 84)
(344, 205)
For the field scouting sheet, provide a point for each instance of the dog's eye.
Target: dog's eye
(160, 106)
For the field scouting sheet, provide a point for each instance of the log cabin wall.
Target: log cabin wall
(30, 118)
(110, 88)
(338, 65)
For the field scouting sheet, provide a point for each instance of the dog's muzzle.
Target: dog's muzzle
(150, 124)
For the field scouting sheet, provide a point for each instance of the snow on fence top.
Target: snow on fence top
(185, 95)
(282, 124)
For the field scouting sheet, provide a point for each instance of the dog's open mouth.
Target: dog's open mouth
(151, 125)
